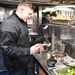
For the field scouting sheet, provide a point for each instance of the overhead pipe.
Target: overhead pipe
(61, 1)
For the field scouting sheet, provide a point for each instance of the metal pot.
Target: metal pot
(58, 54)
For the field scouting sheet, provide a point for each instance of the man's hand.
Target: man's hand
(34, 49)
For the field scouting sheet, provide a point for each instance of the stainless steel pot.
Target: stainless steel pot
(58, 54)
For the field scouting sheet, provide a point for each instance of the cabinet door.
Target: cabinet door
(41, 72)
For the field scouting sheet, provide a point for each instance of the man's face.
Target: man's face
(48, 16)
(26, 13)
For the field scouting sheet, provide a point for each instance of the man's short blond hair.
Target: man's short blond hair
(26, 3)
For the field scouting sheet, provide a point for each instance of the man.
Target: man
(15, 40)
(46, 18)
(43, 29)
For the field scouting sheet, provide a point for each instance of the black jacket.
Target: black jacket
(15, 43)
(41, 30)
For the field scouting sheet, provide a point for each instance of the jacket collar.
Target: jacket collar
(18, 17)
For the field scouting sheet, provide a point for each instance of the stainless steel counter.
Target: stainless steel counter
(41, 60)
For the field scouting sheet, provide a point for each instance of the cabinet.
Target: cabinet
(41, 72)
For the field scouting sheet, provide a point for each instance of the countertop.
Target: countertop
(41, 60)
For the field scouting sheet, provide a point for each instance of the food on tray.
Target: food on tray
(66, 71)
(61, 17)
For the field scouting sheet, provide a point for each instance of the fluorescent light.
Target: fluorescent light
(66, 6)
(49, 9)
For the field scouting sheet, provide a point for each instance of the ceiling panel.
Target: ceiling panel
(41, 1)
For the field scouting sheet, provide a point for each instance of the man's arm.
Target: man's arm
(9, 40)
